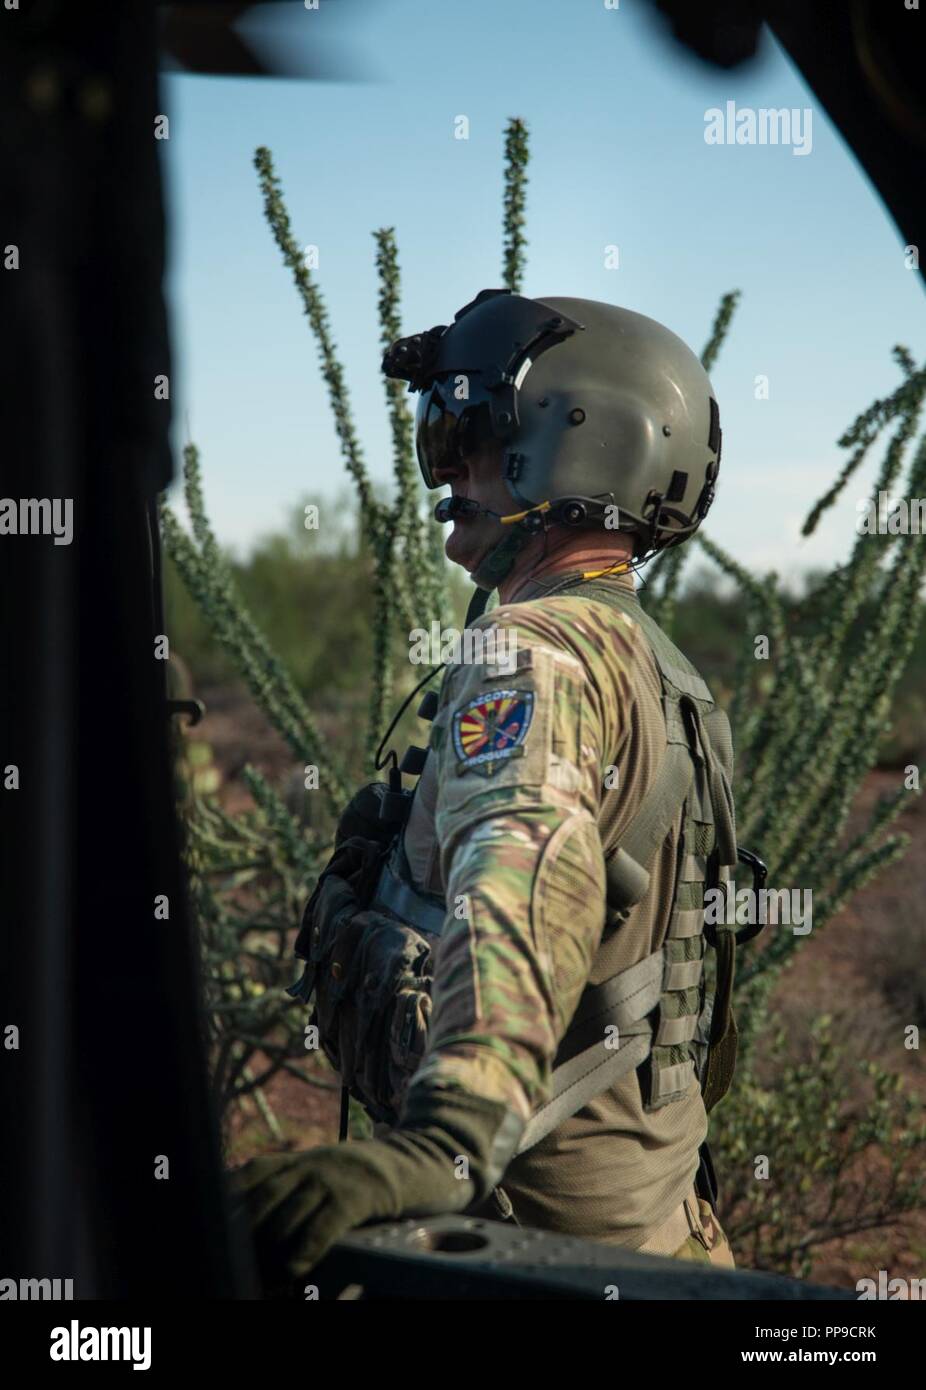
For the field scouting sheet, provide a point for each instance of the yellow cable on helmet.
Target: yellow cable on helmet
(612, 569)
(519, 516)
(545, 507)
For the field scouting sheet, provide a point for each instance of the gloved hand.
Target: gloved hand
(449, 1153)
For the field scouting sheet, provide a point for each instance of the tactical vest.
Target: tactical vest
(669, 1016)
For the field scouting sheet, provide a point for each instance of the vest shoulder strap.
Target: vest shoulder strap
(628, 864)
(673, 665)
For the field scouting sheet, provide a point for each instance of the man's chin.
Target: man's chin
(471, 541)
(465, 550)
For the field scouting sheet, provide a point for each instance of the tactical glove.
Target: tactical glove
(448, 1154)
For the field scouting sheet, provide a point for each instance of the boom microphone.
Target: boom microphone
(448, 508)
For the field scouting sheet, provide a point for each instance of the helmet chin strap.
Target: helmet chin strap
(493, 569)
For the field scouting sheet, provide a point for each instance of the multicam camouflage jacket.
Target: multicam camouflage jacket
(469, 973)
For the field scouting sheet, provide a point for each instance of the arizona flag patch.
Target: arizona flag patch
(492, 728)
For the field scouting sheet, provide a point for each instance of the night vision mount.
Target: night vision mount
(499, 355)
(412, 359)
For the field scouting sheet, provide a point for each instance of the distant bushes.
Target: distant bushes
(314, 599)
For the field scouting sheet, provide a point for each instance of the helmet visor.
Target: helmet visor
(449, 425)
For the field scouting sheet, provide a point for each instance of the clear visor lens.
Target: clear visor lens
(449, 427)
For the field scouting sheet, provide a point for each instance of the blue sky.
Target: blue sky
(616, 117)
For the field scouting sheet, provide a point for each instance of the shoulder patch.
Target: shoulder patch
(491, 728)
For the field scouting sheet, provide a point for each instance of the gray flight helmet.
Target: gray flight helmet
(597, 408)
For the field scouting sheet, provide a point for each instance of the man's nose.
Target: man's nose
(448, 472)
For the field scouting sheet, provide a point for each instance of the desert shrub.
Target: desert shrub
(814, 1149)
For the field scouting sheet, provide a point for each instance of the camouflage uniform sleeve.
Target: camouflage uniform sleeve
(521, 757)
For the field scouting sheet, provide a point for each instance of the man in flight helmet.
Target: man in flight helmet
(617, 427)
(573, 808)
